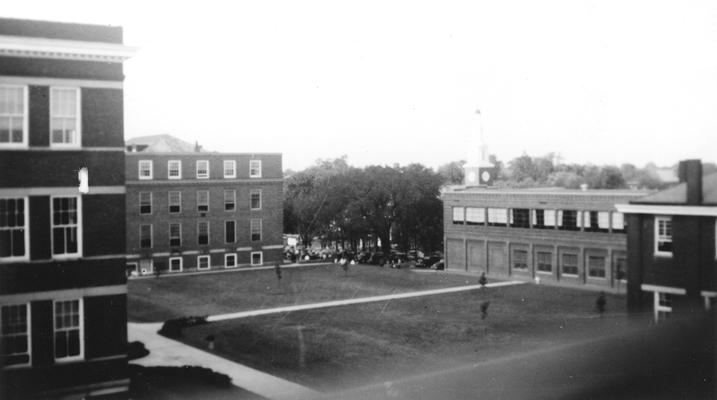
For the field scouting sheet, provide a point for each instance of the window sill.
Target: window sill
(69, 360)
(663, 255)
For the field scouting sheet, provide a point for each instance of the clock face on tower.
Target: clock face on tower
(485, 176)
(472, 176)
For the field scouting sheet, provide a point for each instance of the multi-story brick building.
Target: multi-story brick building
(63, 324)
(672, 246)
(571, 237)
(194, 211)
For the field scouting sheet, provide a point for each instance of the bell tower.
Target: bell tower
(478, 171)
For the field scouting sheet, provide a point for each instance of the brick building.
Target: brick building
(194, 211)
(672, 246)
(63, 325)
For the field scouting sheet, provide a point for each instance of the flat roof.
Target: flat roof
(678, 194)
(543, 190)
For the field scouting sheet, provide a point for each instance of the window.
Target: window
(520, 218)
(230, 260)
(256, 258)
(618, 222)
(596, 266)
(175, 264)
(145, 202)
(497, 216)
(203, 262)
(175, 202)
(230, 169)
(175, 234)
(202, 232)
(66, 232)
(145, 236)
(663, 236)
(202, 169)
(255, 168)
(544, 262)
(255, 230)
(203, 201)
(65, 117)
(621, 269)
(174, 169)
(229, 231)
(475, 216)
(13, 116)
(145, 169)
(663, 305)
(544, 219)
(568, 220)
(68, 330)
(458, 215)
(596, 221)
(570, 264)
(520, 259)
(255, 199)
(15, 335)
(230, 200)
(13, 229)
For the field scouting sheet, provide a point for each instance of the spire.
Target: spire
(477, 147)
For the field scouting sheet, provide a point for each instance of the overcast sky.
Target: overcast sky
(602, 82)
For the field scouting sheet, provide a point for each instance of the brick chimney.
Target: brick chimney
(690, 171)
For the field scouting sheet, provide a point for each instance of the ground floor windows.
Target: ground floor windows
(68, 330)
(520, 259)
(203, 262)
(230, 260)
(710, 299)
(257, 258)
(569, 264)
(175, 264)
(621, 269)
(15, 335)
(662, 298)
(544, 261)
(596, 266)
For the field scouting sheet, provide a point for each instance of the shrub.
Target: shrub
(172, 328)
(136, 350)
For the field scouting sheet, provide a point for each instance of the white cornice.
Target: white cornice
(21, 46)
(658, 209)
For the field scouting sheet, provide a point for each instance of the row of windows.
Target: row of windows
(568, 263)
(174, 169)
(68, 332)
(575, 220)
(203, 262)
(64, 116)
(175, 233)
(174, 201)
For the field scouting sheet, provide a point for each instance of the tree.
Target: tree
(452, 172)
(610, 177)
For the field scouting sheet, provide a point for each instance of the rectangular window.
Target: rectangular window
(520, 259)
(202, 232)
(15, 335)
(203, 262)
(65, 116)
(230, 169)
(497, 216)
(175, 264)
(229, 231)
(13, 229)
(202, 169)
(175, 202)
(255, 199)
(145, 169)
(145, 236)
(618, 222)
(230, 260)
(570, 264)
(544, 261)
(174, 169)
(663, 236)
(255, 168)
(621, 269)
(66, 224)
(475, 216)
(520, 218)
(256, 258)
(203, 201)
(175, 234)
(663, 305)
(458, 215)
(230, 200)
(68, 330)
(596, 221)
(13, 116)
(568, 220)
(596, 267)
(145, 202)
(255, 226)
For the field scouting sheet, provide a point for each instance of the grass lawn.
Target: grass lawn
(159, 299)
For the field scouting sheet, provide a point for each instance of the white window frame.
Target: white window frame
(208, 233)
(254, 165)
(657, 290)
(181, 264)
(459, 215)
(233, 167)
(79, 229)
(207, 203)
(513, 260)
(562, 264)
(227, 256)
(151, 201)
(662, 238)
(588, 268)
(169, 233)
(225, 231)
(206, 175)
(537, 262)
(252, 193)
(169, 201)
(261, 258)
(77, 143)
(25, 120)
(251, 229)
(233, 201)
(81, 327)
(28, 334)
(179, 169)
(151, 169)
(498, 216)
(151, 236)
(199, 262)
(26, 231)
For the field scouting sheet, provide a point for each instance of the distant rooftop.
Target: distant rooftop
(544, 190)
(678, 194)
(161, 144)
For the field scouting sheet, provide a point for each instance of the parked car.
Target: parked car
(428, 261)
(440, 265)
